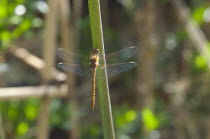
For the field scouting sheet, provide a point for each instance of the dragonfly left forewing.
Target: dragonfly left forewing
(114, 69)
(68, 55)
(74, 68)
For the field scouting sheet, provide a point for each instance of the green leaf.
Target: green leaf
(31, 112)
(3, 11)
(198, 14)
(124, 117)
(130, 115)
(5, 37)
(149, 119)
(200, 62)
(22, 128)
(22, 28)
(20, 1)
(13, 113)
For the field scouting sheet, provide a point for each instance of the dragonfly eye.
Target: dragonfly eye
(95, 51)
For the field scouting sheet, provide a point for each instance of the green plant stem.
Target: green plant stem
(103, 88)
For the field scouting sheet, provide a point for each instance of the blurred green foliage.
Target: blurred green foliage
(126, 121)
(16, 19)
(199, 62)
(60, 112)
(19, 117)
(149, 119)
(22, 128)
(198, 14)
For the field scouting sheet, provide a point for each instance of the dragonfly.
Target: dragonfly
(90, 70)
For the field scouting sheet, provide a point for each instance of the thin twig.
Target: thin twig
(33, 92)
(192, 28)
(36, 63)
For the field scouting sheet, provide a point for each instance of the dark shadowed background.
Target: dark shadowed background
(165, 97)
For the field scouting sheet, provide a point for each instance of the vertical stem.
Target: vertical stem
(103, 88)
(43, 121)
(50, 39)
(49, 58)
(2, 132)
(146, 18)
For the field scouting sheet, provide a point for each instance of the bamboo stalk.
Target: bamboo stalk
(32, 92)
(145, 21)
(43, 121)
(49, 45)
(147, 37)
(68, 41)
(103, 88)
(49, 58)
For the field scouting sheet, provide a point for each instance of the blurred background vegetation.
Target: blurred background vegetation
(165, 97)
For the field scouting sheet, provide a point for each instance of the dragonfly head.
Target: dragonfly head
(95, 51)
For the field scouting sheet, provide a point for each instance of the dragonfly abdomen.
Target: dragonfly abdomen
(93, 63)
(93, 95)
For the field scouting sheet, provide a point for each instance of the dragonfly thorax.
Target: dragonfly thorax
(94, 59)
(95, 51)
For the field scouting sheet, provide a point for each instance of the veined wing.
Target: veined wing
(75, 68)
(114, 69)
(67, 55)
(121, 55)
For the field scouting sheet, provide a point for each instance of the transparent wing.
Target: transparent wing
(67, 55)
(114, 69)
(121, 55)
(75, 68)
